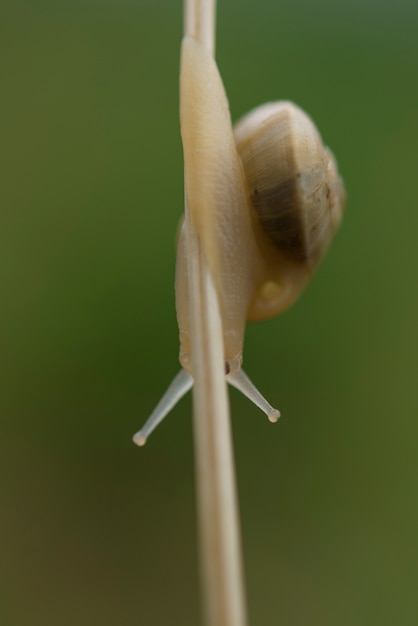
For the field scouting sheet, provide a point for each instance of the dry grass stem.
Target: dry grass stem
(219, 536)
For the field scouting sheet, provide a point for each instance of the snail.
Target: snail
(276, 200)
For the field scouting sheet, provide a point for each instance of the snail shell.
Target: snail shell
(292, 180)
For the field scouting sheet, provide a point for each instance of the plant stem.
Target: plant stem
(218, 523)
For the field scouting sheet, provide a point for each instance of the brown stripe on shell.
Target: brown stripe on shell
(280, 215)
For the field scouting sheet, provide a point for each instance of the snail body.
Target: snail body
(266, 209)
(265, 213)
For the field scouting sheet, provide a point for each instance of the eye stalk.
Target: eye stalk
(182, 383)
(178, 388)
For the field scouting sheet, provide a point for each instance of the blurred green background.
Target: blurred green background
(96, 531)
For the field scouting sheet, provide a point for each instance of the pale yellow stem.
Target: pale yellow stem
(219, 536)
(199, 21)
